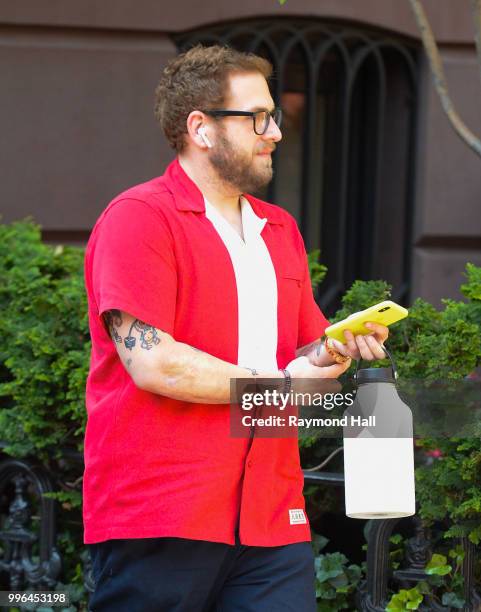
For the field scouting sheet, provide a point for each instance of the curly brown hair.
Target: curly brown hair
(197, 79)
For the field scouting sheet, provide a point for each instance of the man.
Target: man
(192, 283)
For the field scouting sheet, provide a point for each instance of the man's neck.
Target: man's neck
(220, 194)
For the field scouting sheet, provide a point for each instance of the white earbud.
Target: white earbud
(203, 135)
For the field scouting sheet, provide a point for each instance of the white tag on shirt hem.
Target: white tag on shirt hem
(297, 517)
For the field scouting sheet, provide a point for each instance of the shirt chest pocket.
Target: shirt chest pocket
(291, 275)
(289, 290)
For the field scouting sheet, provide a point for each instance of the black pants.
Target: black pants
(177, 575)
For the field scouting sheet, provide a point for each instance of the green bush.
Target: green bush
(443, 345)
(44, 353)
(336, 579)
(435, 345)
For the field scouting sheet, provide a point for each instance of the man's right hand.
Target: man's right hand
(301, 367)
(309, 379)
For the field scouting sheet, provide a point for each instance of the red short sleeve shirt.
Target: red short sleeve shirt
(155, 466)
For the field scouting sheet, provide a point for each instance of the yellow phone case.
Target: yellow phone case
(385, 313)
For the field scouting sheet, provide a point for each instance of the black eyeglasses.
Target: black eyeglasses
(260, 119)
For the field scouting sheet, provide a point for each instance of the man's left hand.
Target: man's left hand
(368, 347)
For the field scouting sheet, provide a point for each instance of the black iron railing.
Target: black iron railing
(27, 531)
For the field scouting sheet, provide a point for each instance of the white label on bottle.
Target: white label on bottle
(297, 517)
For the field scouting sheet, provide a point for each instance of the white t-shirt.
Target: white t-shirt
(256, 287)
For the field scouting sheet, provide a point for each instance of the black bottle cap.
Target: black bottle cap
(368, 375)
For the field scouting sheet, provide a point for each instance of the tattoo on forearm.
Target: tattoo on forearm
(253, 371)
(148, 335)
(113, 320)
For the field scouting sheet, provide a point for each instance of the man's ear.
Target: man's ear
(195, 129)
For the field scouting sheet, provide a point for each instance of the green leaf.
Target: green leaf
(319, 542)
(405, 600)
(472, 289)
(438, 566)
(396, 538)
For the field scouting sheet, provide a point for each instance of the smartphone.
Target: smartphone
(385, 313)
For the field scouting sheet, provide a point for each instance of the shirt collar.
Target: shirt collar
(251, 222)
(188, 197)
(252, 225)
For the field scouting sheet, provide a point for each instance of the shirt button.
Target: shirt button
(249, 463)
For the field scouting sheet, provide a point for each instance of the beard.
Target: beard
(239, 168)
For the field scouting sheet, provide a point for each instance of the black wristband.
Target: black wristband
(287, 381)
